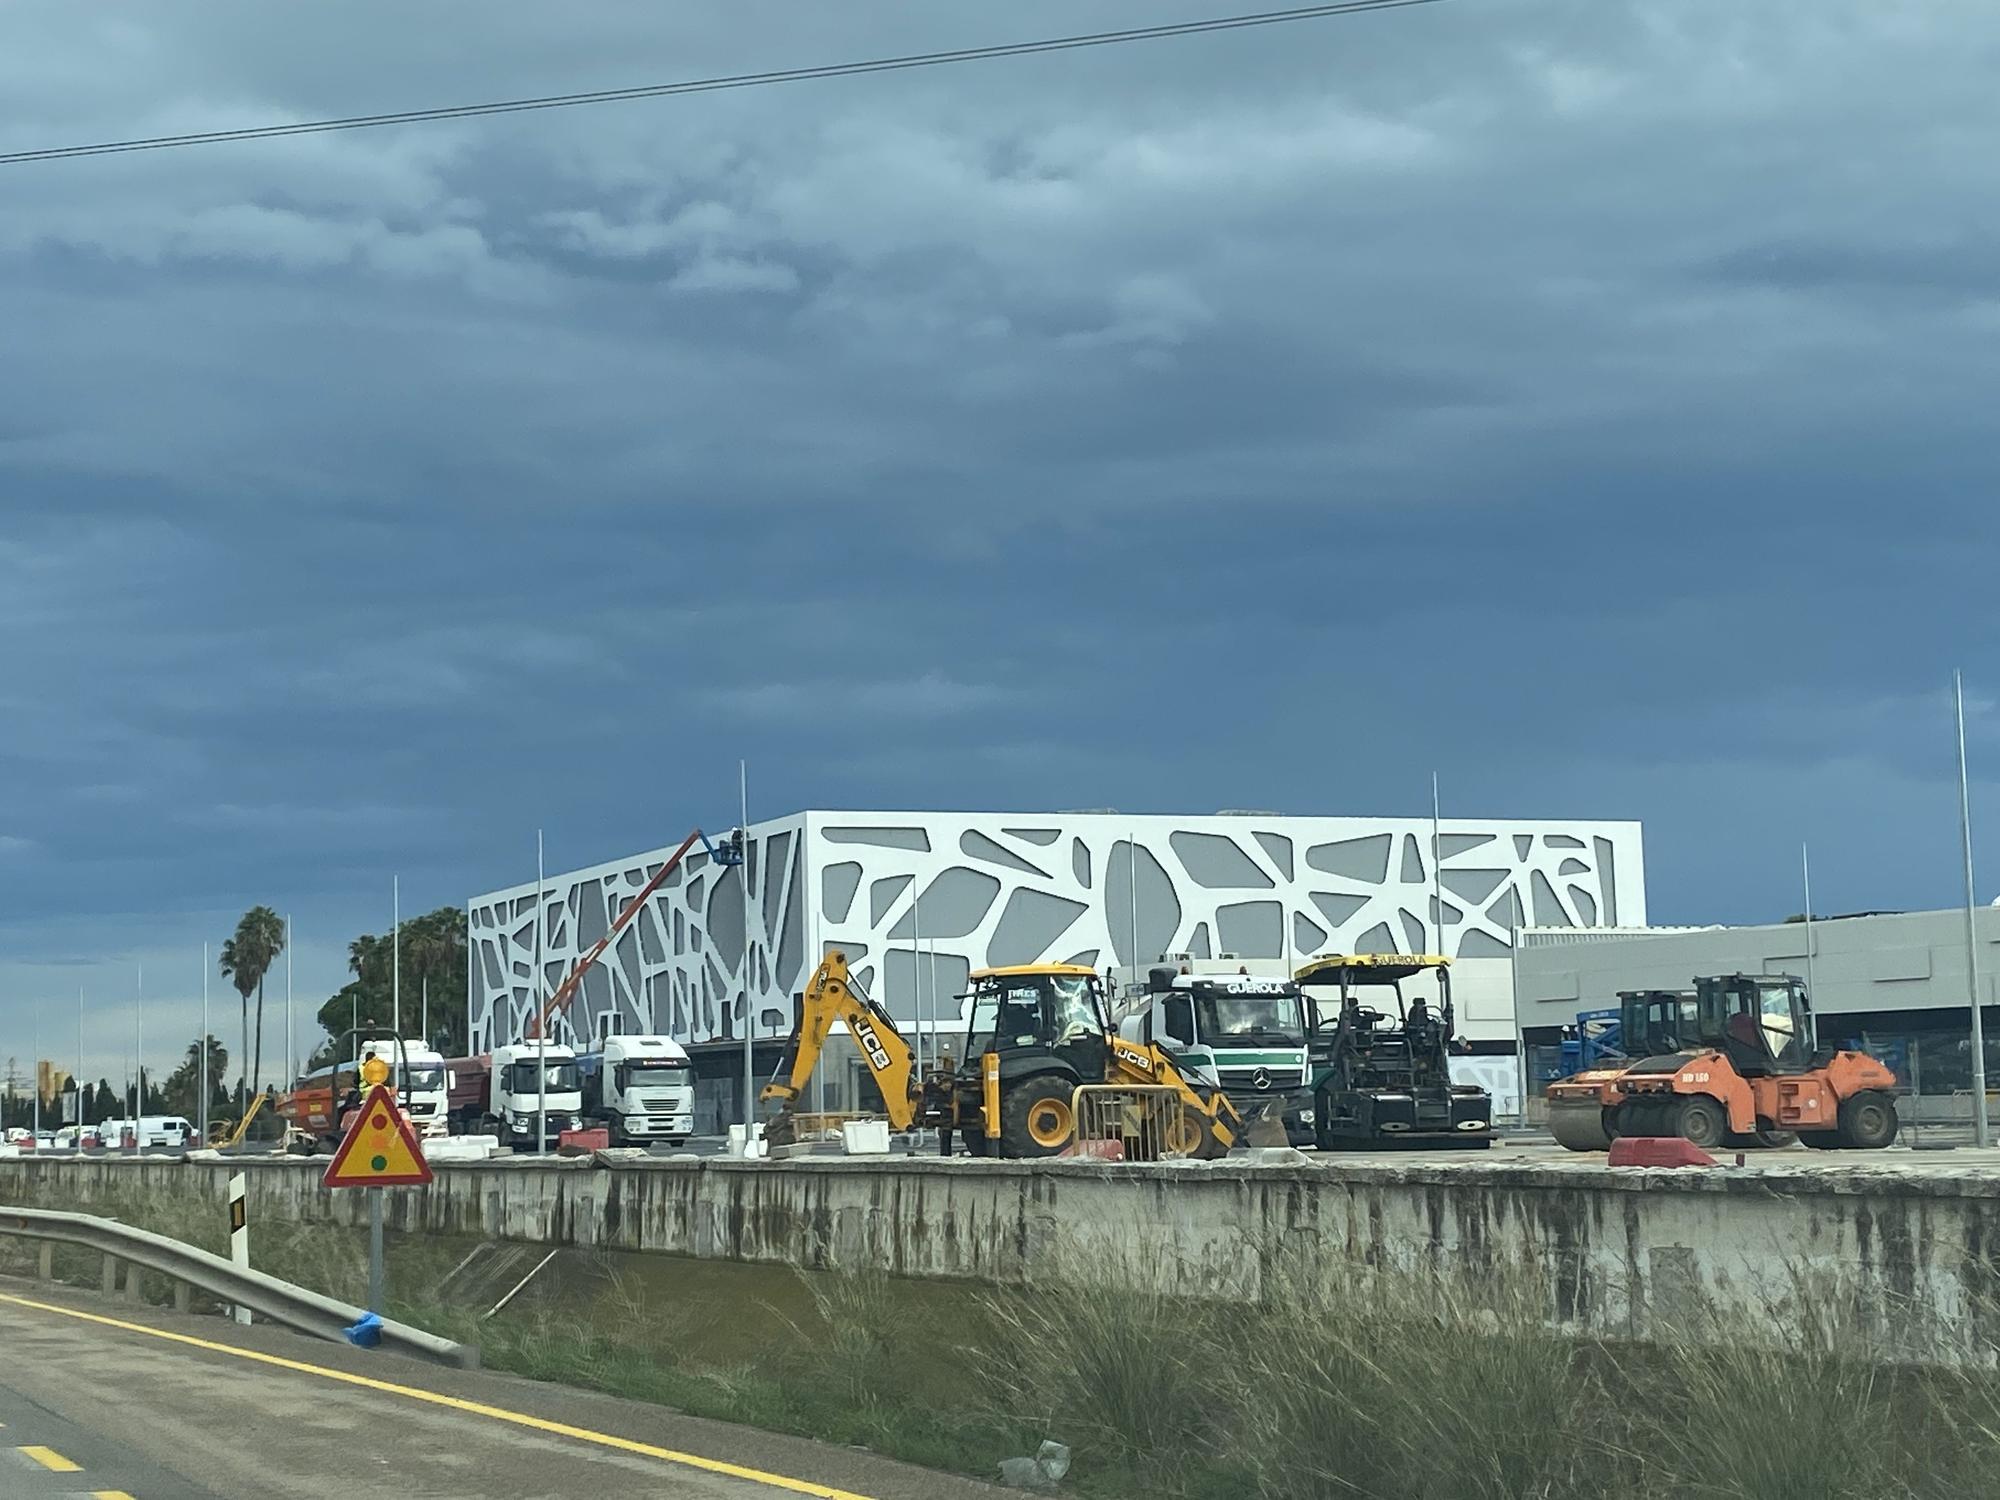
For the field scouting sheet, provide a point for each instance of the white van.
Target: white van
(165, 1130)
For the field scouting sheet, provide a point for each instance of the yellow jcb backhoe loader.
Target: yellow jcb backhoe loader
(1037, 1032)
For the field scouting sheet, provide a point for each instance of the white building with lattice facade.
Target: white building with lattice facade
(918, 900)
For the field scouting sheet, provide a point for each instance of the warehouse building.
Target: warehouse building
(1894, 983)
(920, 900)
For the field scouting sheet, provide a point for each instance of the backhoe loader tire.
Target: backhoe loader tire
(1035, 1117)
(1701, 1122)
(1867, 1121)
(976, 1143)
(1820, 1140)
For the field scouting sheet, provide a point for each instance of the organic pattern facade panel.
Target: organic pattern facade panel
(930, 896)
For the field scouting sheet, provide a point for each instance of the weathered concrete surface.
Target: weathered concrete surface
(1914, 1256)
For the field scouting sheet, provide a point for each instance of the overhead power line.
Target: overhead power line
(713, 85)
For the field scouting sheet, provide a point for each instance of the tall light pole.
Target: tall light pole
(749, 1024)
(396, 954)
(541, 1021)
(202, 1047)
(1805, 871)
(1982, 1134)
(1437, 867)
(139, 1059)
(291, 1058)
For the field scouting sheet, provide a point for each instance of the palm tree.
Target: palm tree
(246, 959)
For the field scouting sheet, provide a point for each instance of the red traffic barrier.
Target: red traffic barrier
(1658, 1151)
(1100, 1150)
(582, 1142)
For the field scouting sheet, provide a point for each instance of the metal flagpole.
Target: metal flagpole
(541, 1000)
(139, 1058)
(1520, 1033)
(396, 955)
(749, 1025)
(1805, 871)
(1437, 867)
(1982, 1134)
(1132, 877)
(203, 1045)
(79, 1059)
(291, 1058)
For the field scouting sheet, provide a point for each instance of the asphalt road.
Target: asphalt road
(101, 1399)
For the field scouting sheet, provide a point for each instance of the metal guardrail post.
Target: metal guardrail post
(188, 1267)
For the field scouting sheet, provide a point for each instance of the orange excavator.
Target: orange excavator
(1757, 1068)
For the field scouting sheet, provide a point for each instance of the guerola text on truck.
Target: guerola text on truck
(640, 1088)
(1247, 1029)
(502, 1093)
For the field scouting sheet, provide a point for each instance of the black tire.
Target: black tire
(1701, 1121)
(1867, 1121)
(976, 1143)
(1035, 1117)
(1762, 1139)
(1634, 1118)
(1820, 1140)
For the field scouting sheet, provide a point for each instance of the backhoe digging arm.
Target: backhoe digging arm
(830, 996)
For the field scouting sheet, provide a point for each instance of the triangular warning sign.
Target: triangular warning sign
(380, 1149)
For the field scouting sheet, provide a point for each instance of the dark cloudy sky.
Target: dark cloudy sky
(1589, 399)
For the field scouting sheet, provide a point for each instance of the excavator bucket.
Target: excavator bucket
(1264, 1126)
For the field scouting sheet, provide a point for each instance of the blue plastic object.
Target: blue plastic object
(367, 1333)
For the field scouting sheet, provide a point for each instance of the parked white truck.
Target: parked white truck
(640, 1088)
(421, 1088)
(503, 1093)
(1249, 1029)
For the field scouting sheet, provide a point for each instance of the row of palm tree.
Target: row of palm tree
(246, 958)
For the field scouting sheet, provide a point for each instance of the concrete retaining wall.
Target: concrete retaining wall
(1914, 1256)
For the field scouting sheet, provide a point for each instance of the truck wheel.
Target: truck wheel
(1820, 1140)
(1701, 1121)
(1868, 1121)
(1035, 1117)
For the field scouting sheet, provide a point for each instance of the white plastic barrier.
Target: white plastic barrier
(865, 1137)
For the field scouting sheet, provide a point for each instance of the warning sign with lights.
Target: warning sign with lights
(380, 1150)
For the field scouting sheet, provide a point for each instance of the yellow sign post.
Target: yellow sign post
(379, 1150)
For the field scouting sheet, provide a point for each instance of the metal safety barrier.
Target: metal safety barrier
(187, 1267)
(1134, 1122)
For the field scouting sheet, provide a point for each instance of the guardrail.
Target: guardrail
(266, 1296)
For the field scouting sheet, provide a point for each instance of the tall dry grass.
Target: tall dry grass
(1331, 1382)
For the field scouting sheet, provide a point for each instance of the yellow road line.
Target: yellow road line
(49, 1459)
(454, 1403)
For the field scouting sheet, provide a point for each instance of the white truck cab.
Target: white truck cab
(641, 1088)
(421, 1088)
(1249, 1030)
(526, 1077)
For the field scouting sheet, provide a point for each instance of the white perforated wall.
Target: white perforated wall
(918, 900)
